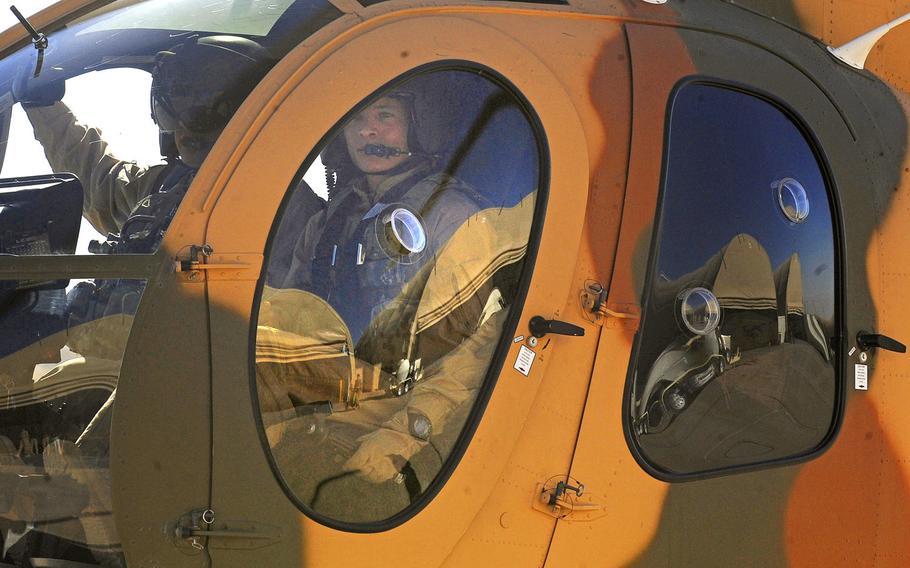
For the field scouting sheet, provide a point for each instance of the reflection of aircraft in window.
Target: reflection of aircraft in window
(794, 321)
(313, 342)
(737, 352)
(739, 294)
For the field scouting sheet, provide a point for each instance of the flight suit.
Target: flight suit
(381, 299)
(129, 203)
(326, 260)
(112, 187)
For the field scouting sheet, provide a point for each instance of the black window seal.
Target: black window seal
(840, 312)
(496, 364)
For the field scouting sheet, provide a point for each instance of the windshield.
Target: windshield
(254, 17)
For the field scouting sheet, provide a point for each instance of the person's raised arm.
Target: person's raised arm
(112, 186)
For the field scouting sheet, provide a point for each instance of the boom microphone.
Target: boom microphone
(383, 151)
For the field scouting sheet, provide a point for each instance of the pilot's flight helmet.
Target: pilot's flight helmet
(200, 83)
(444, 106)
(435, 114)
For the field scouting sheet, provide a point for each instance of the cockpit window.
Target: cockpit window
(390, 278)
(734, 364)
(83, 107)
(119, 109)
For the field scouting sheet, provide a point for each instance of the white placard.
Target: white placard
(861, 377)
(524, 361)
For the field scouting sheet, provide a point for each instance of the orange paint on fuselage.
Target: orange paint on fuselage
(838, 512)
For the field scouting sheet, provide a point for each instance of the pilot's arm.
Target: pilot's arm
(454, 380)
(112, 186)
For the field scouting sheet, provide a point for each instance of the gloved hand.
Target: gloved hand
(378, 453)
(44, 90)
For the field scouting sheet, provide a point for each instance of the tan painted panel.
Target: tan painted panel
(593, 65)
(602, 459)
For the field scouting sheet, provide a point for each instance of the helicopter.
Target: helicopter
(454, 282)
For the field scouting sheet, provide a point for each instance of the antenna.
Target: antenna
(854, 53)
(39, 40)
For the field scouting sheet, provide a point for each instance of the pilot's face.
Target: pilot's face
(385, 122)
(194, 147)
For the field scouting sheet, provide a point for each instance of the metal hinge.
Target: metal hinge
(197, 529)
(594, 302)
(201, 263)
(195, 258)
(565, 498)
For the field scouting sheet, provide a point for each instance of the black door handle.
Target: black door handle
(540, 326)
(871, 340)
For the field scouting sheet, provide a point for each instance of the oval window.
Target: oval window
(390, 278)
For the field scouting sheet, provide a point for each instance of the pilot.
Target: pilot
(197, 86)
(373, 269)
(343, 253)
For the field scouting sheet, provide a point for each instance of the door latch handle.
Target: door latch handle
(541, 326)
(868, 341)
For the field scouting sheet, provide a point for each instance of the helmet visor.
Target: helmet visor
(187, 93)
(187, 112)
(161, 113)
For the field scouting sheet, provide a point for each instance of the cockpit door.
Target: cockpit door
(371, 341)
(667, 402)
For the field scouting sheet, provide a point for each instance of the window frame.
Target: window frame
(496, 364)
(838, 340)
